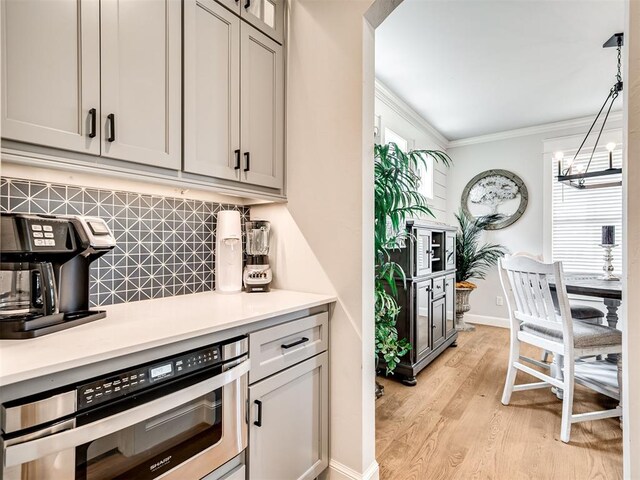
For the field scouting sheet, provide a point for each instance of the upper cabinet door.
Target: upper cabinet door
(424, 252)
(233, 5)
(51, 73)
(262, 109)
(141, 81)
(265, 15)
(211, 90)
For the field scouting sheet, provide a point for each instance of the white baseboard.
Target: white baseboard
(339, 471)
(486, 320)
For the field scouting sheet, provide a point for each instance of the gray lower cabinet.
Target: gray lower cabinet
(288, 422)
(289, 400)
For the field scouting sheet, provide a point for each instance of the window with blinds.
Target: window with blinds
(578, 217)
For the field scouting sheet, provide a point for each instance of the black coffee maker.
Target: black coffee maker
(44, 272)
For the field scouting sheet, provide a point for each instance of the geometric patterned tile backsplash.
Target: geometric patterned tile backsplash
(165, 246)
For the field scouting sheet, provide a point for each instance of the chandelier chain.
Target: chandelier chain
(619, 74)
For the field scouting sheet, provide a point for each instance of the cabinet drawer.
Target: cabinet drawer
(279, 347)
(438, 287)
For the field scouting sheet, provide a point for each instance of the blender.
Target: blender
(257, 273)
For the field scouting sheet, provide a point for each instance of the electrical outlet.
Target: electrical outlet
(499, 301)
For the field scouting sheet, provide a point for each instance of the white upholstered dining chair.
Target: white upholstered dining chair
(534, 320)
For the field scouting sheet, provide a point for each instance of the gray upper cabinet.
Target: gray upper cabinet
(83, 75)
(233, 5)
(51, 73)
(266, 15)
(211, 90)
(141, 71)
(234, 98)
(261, 109)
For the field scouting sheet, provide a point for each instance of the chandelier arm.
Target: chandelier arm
(589, 132)
(613, 96)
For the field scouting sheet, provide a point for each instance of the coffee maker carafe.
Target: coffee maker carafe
(257, 273)
(44, 272)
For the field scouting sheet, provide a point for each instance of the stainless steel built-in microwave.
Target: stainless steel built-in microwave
(176, 418)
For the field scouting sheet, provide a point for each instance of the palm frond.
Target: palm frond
(473, 260)
(396, 198)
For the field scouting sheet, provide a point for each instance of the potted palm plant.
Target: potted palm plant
(397, 197)
(472, 260)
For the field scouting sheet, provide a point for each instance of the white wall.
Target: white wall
(631, 334)
(523, 155)
(395, 114)
(327, 241)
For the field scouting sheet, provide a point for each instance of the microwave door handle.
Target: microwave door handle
(19, 453)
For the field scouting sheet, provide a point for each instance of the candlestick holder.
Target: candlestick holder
(608, 263)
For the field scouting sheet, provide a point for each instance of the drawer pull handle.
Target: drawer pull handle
(296, 343)
(258, 422)
(237, 154)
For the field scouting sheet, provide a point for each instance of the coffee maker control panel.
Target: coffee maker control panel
(43, 234)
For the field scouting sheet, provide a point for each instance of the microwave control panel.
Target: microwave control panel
(133, 380)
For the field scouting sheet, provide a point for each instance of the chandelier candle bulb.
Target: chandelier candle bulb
(608, 235)
(611, 146)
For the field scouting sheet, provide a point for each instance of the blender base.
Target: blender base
(257, 288)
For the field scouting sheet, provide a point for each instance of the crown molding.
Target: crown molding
(534, 130)
(402, 108)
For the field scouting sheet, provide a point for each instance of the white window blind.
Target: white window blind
(578, 217)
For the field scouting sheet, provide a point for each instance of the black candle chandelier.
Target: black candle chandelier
(610, 177)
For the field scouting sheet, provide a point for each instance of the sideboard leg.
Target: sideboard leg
(410, 381)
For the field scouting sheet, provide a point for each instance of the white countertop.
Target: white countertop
(137, 326)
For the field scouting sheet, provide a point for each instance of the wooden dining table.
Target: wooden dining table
(604, 376)
(592, 285)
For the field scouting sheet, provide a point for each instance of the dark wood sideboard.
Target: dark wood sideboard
(428, 298)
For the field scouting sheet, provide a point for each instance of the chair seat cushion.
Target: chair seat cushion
(585, 312)
(585, 335)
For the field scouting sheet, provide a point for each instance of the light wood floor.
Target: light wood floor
(453, 426)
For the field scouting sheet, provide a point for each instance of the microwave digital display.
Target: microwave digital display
(161, 371)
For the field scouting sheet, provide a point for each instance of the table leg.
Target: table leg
(620, 383)
(556, 372)
(612, 320)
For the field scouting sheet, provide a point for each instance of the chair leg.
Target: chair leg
(557, 366)
(514, 356)
(545, 356)
(567, 400)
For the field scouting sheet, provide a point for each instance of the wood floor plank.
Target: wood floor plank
(453, 426)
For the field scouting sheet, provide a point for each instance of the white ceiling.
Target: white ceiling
(473, 67)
